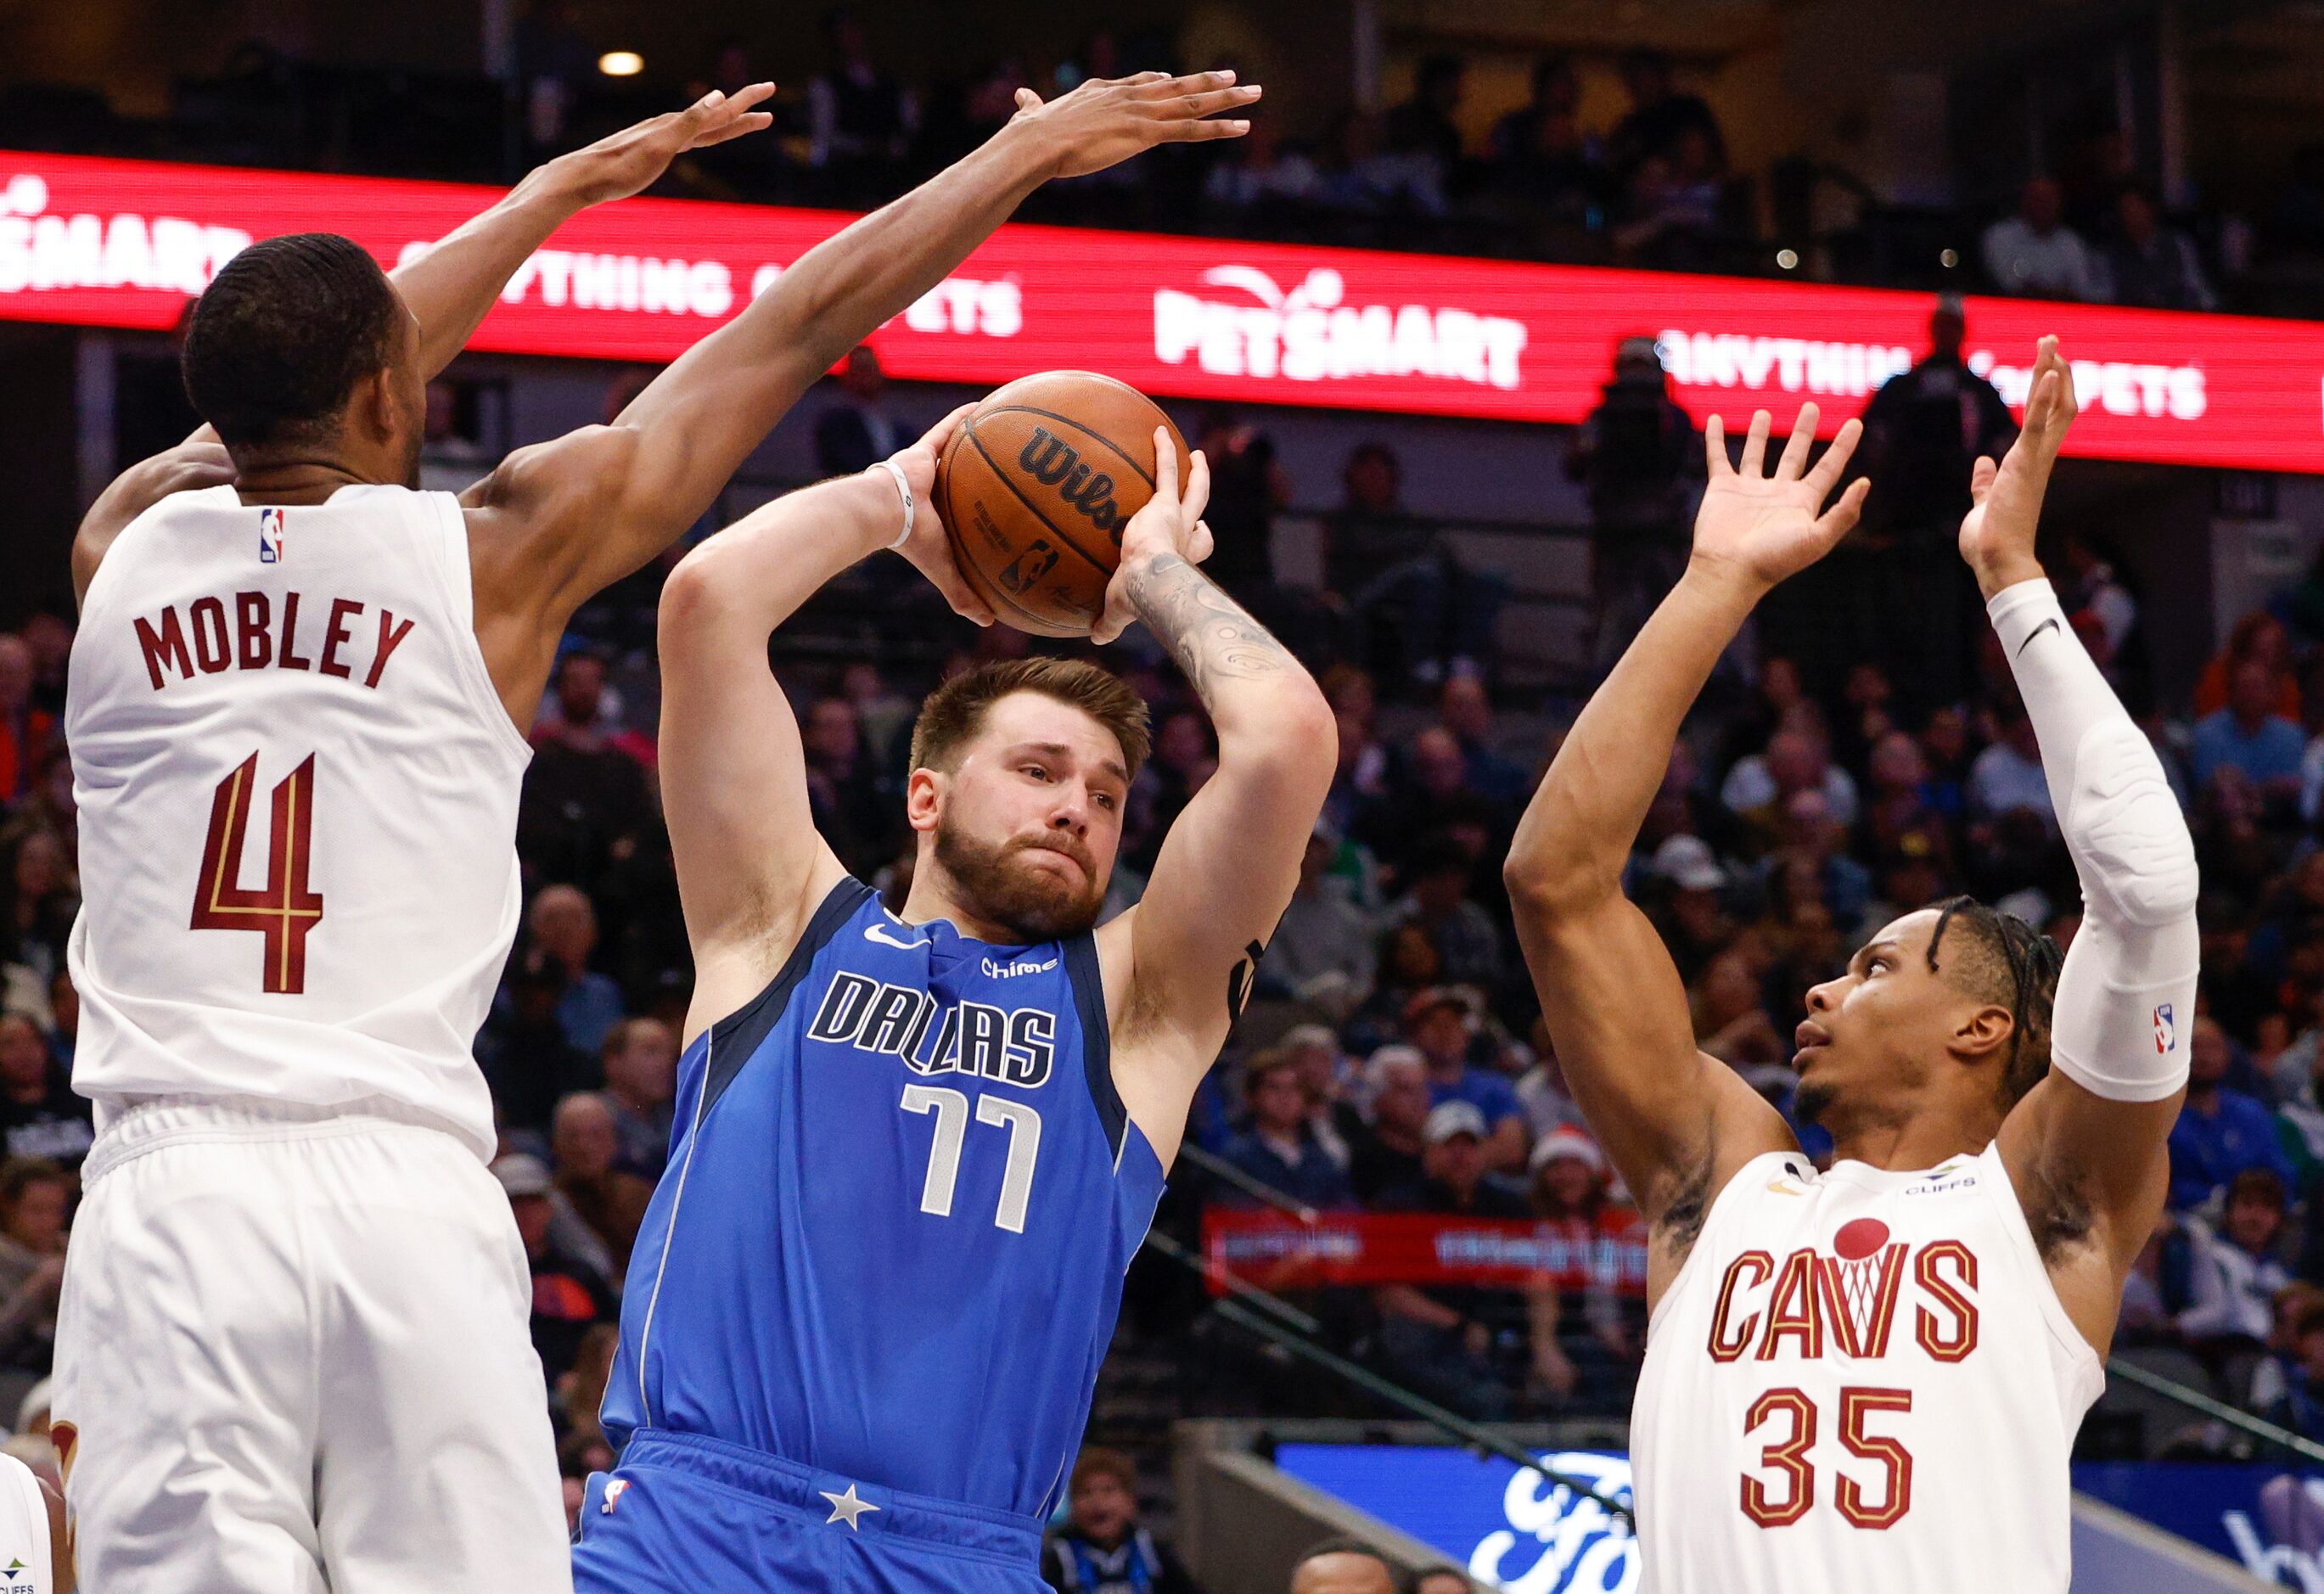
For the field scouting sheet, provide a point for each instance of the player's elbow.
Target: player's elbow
(695, 593)
(1549, 884)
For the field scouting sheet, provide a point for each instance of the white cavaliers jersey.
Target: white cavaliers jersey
(298, 794)
(1859, 1380)
(27, 1560)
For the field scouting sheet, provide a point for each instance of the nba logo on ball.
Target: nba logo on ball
(269, 536)
(2166, 1033)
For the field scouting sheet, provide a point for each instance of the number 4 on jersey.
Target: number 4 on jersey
(283, 909)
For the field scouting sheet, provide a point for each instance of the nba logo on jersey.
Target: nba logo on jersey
(269, 536)
(614, 1489)
(2166, 1033)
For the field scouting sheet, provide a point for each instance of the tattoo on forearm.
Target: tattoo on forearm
(1206, 631)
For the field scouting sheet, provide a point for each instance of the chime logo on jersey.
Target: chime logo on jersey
(1015, 1046)
(2166, 1030)
(269, 536)
(1848, 1300)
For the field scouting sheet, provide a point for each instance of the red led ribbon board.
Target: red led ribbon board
(1277, 1252)
(123, 244)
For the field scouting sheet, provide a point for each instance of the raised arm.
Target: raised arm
(1675, 1123)
(1182, 961)
(451, 286)
(750, 867)
(2087, 1146)
(565, 518)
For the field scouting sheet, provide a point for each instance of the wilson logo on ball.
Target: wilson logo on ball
(1056, 463)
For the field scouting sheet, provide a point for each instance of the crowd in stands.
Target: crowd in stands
(1392, 1059)
(1654, 185)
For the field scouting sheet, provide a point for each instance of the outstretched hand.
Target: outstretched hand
(1996, 536)
(1170, 523)
(1766, 527)
(1105, 121)
(928, 549)
(629, 162)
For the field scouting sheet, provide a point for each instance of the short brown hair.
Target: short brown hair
(955, 711)
(1097, 1461)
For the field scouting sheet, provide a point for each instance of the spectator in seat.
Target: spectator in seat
(2301, 1405)
(2250, 736)
(37, 902)
(2151, 263)
(1280, 1148)
(1465, 712)
(1408, 592)
(2006, 777)
(40, 1115)
(35, 1196)
(1659, 116)
(860, 119)
(26, 729)
(563, 925)
(2035, 254)
(1444, 1338)
(1441, 1024)
(1814, 846)
(584, 1142)
(1259, 170)
(1386, 1151)
(2258, 635)
(1798, 760)
(1101, 1548)
(1543, 158)
(852, 802)
(2220, 1132)
(856, 433)
(528, 1061)
(2237, 1274)
(640, 1060)
(1344, 1566)
(568, 1295)
(586, 801)
(50, 638)
(1324, 950)
(1427, 124)
(1438, 901)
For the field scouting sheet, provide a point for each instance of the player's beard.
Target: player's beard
(1032, 904)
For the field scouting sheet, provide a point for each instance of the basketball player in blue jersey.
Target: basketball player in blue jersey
(916, 1152)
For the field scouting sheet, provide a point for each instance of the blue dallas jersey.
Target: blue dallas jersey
(903, 1194)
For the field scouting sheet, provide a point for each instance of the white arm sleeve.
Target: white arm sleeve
(2126, 997)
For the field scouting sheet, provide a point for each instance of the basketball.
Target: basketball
(1035, 488)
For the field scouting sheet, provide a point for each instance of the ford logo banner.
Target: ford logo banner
(1508, 1527)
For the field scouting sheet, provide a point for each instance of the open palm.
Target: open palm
(1996, 535)
(1768, 526)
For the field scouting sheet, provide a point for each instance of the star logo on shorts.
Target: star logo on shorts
(846, 1508)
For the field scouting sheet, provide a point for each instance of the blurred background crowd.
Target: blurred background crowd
(1860, 752)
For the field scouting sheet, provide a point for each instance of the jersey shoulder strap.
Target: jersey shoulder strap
(1097, 1039)
(731, 1040)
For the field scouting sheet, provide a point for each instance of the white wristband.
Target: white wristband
(904, 487)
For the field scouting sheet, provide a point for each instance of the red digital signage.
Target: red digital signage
(122, 243)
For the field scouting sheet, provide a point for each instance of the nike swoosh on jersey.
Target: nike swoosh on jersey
(880, 933)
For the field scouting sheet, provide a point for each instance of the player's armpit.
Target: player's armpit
(2092, 1175)
(1675, 1123)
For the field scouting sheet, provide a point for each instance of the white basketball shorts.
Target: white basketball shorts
(293, 1355)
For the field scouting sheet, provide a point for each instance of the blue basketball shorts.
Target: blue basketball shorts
(685, 1513)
